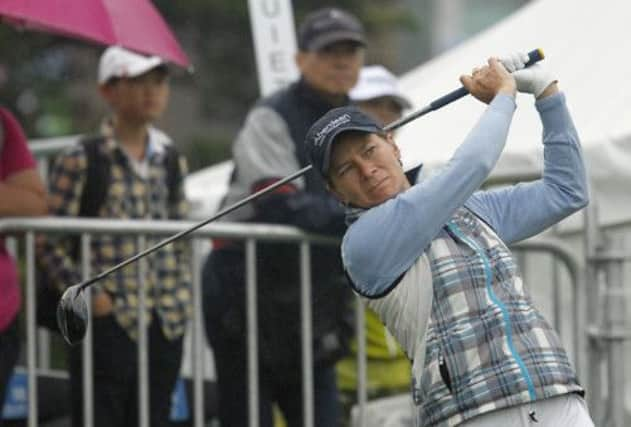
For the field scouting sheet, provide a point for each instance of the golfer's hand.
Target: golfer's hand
(486, 82)
(534, 79)
(101, 304)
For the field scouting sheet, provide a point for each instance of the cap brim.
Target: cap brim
(334, 37)
(337, 132)
(148, 65)
(137, 69)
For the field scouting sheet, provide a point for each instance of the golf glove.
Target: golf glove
(534, 79)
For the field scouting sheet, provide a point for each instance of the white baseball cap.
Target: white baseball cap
(119, 62)
(375, 81)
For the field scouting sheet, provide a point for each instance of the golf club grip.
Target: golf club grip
(534, 57)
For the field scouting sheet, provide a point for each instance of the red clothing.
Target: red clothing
(14, 157)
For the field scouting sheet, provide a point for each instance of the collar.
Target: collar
(352, 213)
(156, 139)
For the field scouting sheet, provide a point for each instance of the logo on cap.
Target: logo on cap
(330, 126)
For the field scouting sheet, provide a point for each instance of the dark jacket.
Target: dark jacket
(268, 148)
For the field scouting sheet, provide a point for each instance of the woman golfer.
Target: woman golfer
(432, 259)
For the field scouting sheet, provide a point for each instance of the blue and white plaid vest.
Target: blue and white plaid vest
(487, 347)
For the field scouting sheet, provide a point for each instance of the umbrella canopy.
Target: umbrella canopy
(133, 24)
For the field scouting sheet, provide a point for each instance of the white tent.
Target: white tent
(584, 44)
(205, 189)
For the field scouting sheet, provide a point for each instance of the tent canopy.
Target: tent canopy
(584, 44)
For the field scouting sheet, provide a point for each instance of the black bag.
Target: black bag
(92, 198)
(278, 297)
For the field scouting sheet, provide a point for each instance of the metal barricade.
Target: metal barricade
(608, 324)
(251, 234)
(142, 229)
(562, 254)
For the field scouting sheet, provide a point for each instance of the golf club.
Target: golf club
(72, 311)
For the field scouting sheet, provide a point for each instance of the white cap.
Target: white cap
(119, 62)
(376, 81)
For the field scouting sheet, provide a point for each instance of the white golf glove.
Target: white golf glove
(534, 79)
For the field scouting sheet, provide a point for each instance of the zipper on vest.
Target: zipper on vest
(507, 322)
(444, 372)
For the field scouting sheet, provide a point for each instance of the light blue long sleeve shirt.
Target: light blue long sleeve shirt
(387, 239)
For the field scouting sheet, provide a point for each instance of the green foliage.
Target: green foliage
(36, 71)
(217, 35)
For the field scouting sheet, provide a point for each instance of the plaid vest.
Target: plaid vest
(487, 347)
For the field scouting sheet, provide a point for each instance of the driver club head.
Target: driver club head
(72, 315)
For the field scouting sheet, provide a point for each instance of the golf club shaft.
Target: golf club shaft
(535, 56)
(183, 233)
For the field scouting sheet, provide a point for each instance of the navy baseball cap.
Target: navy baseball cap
(327, 26)
(322, 134)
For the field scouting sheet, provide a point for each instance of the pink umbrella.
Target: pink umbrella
(133, 24)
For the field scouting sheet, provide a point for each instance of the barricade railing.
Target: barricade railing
(565, 256)
(26, 228)
(608, 327)
(251, 233)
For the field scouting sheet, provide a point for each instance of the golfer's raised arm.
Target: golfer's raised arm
(387, 239)
(523, 210)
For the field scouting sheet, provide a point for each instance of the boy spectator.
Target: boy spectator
(142, 180)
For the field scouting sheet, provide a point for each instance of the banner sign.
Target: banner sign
(274, 43)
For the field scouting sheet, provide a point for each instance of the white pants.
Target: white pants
(568, 410)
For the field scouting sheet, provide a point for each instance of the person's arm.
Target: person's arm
(265, 153)
(23, 194)
(523, 210)
(316, 213)
(385, 241)
(21, 191)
